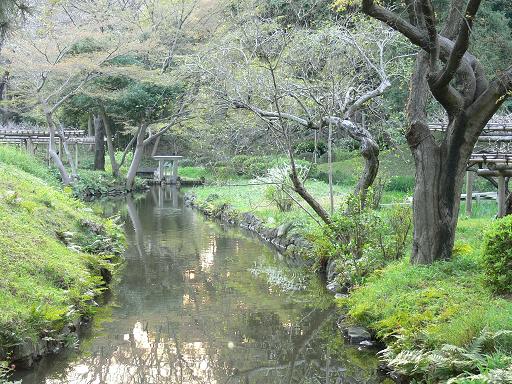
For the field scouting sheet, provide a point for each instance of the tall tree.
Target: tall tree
(457, 80)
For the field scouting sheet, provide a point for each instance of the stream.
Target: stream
(193, 305)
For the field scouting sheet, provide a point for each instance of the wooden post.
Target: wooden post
(32, 148)
(502, 209)
(76, 154)
(174, 177)
(160, 170)
(470, 177)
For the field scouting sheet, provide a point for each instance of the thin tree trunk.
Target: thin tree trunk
(329, 160)
(110, 145)
(69, 157)
(90, 130)
(302, 192)
(66, 180)
(137, 157)
(155, 146)
(99, 144)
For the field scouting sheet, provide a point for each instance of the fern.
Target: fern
(454, 365)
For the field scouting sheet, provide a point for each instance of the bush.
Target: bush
(255, 166)
(362, 239)
(401, 184)
(497, 256)
(279, 189)
(308, 146)
(339, 176)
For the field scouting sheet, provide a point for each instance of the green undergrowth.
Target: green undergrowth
(396, 167)
(193, 173)
(243, 195)
(426, 307)
(56, 255)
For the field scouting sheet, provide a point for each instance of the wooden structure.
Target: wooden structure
(30, 138)
(166, 162)
(492, 159)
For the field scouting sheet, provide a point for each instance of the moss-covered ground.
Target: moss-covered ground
(50, 259)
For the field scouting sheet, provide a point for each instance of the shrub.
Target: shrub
(497, 255)
(362, 239)
(400, 184)
(279, 190)
(308, 146)
(394, 235)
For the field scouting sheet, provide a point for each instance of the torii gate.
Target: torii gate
(492, 158)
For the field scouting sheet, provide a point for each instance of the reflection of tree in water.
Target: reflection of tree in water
(190, 312)
(266, 351)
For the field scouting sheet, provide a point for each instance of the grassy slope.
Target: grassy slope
(43, 283)
(447, 302)
(397, 162)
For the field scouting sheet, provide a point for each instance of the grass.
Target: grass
(44, 283)
(192, 173)
(393, 163)
(446, 302)
(243, 197)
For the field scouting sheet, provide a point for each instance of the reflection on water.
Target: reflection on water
(187, 310)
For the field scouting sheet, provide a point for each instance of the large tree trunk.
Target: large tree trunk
(137, 157)
(110, 144)
(99, 144)
(436, 203)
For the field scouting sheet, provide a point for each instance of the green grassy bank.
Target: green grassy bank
(55, 253)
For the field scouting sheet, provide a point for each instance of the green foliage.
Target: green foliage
(400, 184)
(193, 173)
(308, 146)
(87, 45)
(415, 307)
(27, 163)
(361, 239)
(146, 101)
(5, 372)
(497, 255)
(96, 183)
(279, 187)
(297, 12)
(47, 277)
(254, 166)
(453, 364)
(127, 59)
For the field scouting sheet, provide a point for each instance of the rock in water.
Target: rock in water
(357, 335)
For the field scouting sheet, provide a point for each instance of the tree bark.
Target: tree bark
(66, 180)
(99, 144)
(90, 130)
(137, 157)
(110, 144)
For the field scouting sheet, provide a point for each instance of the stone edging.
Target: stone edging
(292, 245)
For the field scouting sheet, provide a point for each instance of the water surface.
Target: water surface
(189, 308)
